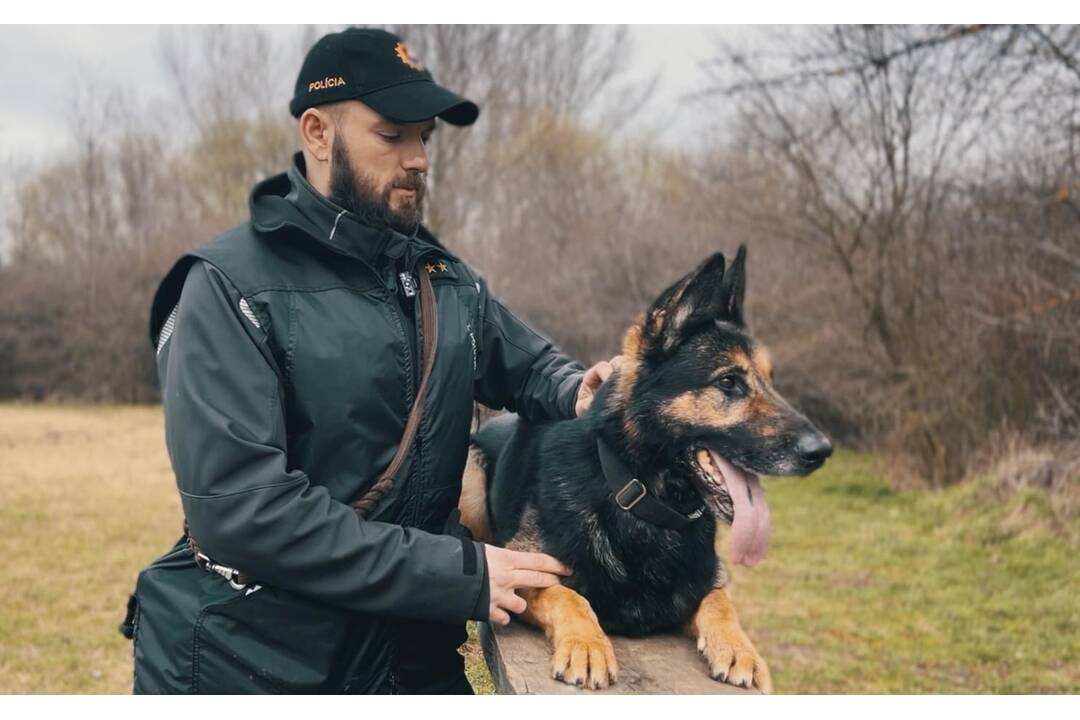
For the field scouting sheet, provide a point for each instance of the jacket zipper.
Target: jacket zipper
(415, 371)
(418, 447)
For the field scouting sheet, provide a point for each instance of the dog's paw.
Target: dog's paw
(585, 660)
(732, 658)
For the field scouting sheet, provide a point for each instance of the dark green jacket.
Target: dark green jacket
(287, 355)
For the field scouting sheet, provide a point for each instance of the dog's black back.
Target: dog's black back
(546, 491)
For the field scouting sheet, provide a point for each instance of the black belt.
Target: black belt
(631, 495)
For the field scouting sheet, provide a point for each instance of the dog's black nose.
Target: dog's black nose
(813, 448)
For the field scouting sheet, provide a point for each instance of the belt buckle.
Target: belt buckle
(635, 501)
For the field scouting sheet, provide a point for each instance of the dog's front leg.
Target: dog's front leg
(581, 653)
(731, 656)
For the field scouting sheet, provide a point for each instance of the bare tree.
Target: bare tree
(881, 137)
(232, 85)
(524, 78)
(91, 235)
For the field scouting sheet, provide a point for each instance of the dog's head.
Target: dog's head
(696, 388)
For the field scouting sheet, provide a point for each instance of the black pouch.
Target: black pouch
(269, 640)
(193, 633)
(169, 596)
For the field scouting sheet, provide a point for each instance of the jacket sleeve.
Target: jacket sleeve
(225, 433)
(519, 369)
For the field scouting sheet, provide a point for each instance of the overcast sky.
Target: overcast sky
(41, 65)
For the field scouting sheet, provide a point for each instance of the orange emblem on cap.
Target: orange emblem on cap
(402, 51)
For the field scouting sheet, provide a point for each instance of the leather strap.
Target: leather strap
(429, 322)
(631, 495)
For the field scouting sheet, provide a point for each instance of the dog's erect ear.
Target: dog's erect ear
(697, 296)
(733, 290)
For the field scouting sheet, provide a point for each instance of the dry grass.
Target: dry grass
(87, 498)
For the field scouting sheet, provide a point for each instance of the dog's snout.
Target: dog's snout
(813, 447)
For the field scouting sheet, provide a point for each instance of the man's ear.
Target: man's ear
(694, 297)
(317, 133)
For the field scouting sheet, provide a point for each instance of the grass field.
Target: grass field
(865, 590)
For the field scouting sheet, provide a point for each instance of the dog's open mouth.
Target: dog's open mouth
(734, 496)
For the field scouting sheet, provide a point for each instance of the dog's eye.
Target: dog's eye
(728, 382)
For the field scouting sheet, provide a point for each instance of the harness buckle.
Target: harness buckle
(629, 486)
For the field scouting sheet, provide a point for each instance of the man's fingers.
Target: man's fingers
(533, 579)
(498, 617)
(510, 601)
(540, 561)
(603, 370)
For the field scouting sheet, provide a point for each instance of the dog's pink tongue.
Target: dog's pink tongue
(751, 526)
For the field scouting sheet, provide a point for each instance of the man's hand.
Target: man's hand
(594, 378)
(508, 569)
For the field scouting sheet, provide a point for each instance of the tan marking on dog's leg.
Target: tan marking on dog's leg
(730, 655)
(581, 653)
(473, 500)
(723, 577)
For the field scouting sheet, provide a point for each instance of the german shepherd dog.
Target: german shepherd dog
(630, 494)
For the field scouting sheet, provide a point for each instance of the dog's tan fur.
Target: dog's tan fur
(473, 500)
(731, 656)
(581, 653)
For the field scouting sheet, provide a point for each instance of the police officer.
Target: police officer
(291, 352)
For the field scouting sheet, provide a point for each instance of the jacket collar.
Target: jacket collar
(288, 200)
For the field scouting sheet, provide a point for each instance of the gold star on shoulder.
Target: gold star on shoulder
(430, 268)
(442, 266)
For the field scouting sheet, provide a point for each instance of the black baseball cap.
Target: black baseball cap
(375, 67)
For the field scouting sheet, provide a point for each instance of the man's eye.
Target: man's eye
(390, 137)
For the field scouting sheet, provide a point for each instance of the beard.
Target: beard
(358, 192)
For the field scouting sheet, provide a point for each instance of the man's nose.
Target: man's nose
(416, 157)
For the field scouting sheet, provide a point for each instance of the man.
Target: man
(289, 356)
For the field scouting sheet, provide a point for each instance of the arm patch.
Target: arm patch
(167, 328)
